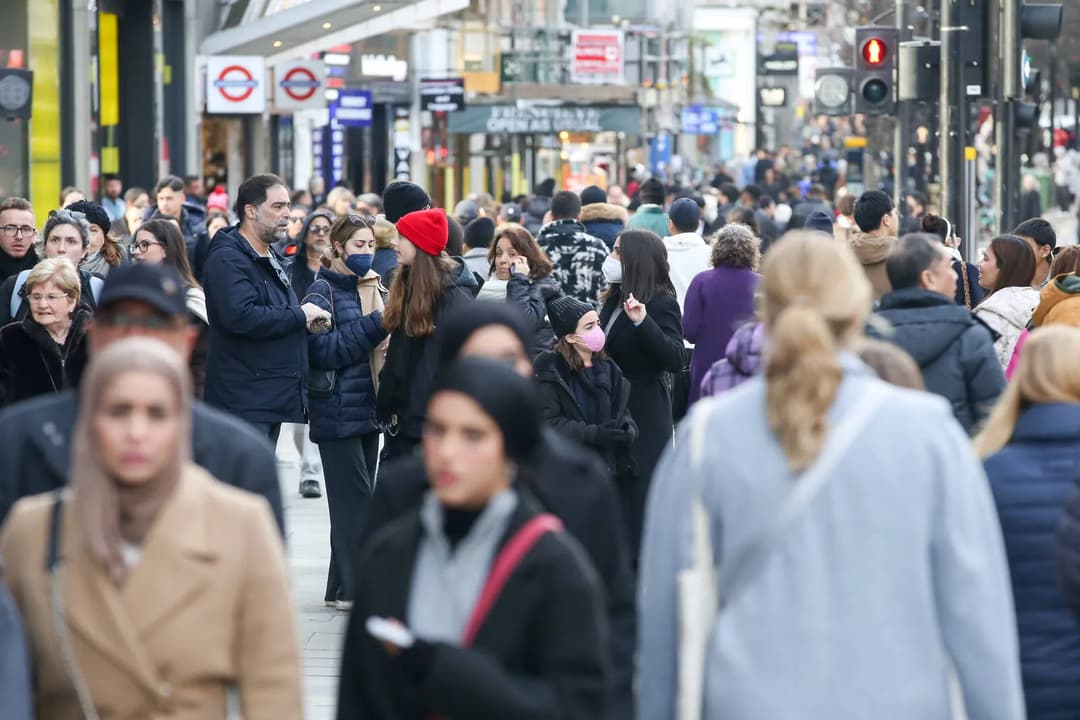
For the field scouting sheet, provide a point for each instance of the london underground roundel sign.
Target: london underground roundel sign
(299, 84)
(235, 84)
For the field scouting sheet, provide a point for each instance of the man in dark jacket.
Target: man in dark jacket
(172, 202)
(954, 350)
(143, 300)
(257, 364)
(601, 219)
(815, 202)
(576, 256)
(16, 238)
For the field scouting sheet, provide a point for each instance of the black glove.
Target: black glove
(610, 434)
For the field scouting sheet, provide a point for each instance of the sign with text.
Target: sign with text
(698, 120)
(597, 57)
(442, 94)
(299, 85)
(352, 108)
(545, 120)
(235, 84)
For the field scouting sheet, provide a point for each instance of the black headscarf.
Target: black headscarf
(509, 399)
(459, 325)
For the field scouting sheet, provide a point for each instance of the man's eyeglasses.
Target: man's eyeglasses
(319, 230)
(38, 298)
(12, 230)
(142, 246)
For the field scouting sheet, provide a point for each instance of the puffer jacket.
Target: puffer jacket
(531, 297)
(605, 221)
(1059, 303)
(871, 250)
(355, 333)
(954, 351)
(1032, 478)
(1007, 312)
(577, 259)
(742, 360)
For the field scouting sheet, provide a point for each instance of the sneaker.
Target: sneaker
(310, 489)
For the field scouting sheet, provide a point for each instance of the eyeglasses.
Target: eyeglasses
(37, 298)
(319, 230)
(142, 246)
(362, 220)
(147, 322)
(12, 230)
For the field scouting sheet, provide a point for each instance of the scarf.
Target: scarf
(493, 289)
(10, 265)
(111, 513)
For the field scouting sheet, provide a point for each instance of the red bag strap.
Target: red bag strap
(505, 563)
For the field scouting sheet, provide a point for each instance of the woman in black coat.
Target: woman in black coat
(532, 647)
(423, 290)
(566, 479)
(643, 324)
(45, 352)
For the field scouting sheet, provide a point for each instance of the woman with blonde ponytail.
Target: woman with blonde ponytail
(853, 532)
(1031, 446)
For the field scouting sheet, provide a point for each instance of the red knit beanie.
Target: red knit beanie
(426, 229)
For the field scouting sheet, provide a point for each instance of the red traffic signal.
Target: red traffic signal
(874, 51)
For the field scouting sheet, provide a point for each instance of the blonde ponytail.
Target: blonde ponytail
(802, 376)
(816, 298)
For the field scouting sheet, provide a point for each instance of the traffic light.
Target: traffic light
(918, 76)
(875, 67)
(1040, 21)
(832, 91)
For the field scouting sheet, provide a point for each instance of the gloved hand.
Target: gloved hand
(610, 433)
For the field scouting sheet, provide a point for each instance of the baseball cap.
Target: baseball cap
(466, 211)
(510, 212)
(159, 286)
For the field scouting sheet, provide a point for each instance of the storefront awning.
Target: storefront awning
(315, 26)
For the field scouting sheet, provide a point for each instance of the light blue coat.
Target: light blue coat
(895, 568)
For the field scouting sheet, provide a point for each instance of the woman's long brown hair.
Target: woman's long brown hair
(414, 293)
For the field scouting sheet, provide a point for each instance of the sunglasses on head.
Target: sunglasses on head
(362, 220)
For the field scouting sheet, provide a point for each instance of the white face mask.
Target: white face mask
(612, 270)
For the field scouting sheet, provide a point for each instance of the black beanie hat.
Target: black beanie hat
(564, 312)
(95, 214)
(460, 324)
(401, 198)
(509, 399)
(593, 194)
(480, 232)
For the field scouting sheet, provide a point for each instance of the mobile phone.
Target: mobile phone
(390, 632)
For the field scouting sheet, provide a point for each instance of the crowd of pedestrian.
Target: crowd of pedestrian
(726, 451)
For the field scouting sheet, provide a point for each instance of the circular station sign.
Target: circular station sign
(235, 83)
(300, 83)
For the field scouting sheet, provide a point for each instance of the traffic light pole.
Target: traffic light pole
(903, 119)
(1006, 168)
(953, 117)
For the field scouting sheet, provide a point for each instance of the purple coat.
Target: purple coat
(718, 301)
(741, 362)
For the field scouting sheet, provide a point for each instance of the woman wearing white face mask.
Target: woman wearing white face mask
(643, 324)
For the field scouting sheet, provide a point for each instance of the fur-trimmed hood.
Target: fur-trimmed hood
(604, 211)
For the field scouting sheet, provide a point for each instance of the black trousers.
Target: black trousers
(270, 430)
(349, 467)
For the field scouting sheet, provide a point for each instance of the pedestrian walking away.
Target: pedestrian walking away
(493, 610)
(777, 473)
(162, 550)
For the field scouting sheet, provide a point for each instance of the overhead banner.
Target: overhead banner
(545, 120)
(235, 84)
(597, 57)
(300, 85)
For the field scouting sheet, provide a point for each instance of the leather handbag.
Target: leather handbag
(322, 382)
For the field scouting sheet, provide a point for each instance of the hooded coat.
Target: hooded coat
(258, 361)
(1007, 312)
(1032, 478)
(1059, 303)
(954, 351)
(871, 250)
(31, 363)
(604, 220)
(742, 360)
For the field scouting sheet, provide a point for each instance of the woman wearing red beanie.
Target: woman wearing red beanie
(422, 290)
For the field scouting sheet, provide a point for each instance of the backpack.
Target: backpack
(96, 284)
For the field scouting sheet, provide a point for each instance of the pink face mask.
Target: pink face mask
(593, 339)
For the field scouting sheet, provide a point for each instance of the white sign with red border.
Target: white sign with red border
(300, 85)
(597, 57)
(235, 84)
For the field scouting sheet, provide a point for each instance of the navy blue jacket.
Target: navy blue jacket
(257, 363)
(350, 410)
(1031, 478)
(385, 263)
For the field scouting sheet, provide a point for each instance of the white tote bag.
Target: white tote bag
(700, 596)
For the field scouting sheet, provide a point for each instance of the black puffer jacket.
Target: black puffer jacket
(954, 350)
(31, 363)
(531, 297)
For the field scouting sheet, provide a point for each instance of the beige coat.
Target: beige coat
(207, 606)
(872, 250)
